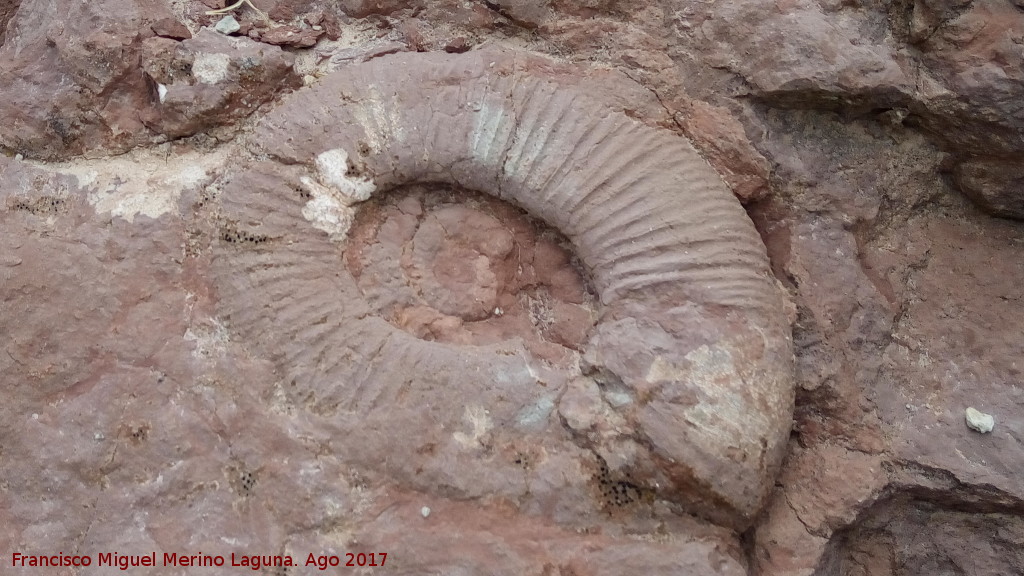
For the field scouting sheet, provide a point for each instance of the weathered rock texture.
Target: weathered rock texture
(906, 536)
(171, 318)
(211, 80)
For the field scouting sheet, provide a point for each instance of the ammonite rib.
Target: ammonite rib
(692, 342)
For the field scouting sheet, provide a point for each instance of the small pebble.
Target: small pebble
(425, 511)
(979, 421)
(19, 157)
(228, 25)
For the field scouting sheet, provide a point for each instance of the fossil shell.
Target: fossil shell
(691, 355)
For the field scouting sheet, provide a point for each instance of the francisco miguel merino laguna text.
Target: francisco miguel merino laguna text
(253, 562)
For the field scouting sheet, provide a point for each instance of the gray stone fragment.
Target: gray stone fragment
(227, 25)
(979, 421)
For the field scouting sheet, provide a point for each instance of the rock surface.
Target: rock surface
(169, 388)
(211, 80)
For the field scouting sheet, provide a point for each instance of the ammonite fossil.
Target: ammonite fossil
(517, 280)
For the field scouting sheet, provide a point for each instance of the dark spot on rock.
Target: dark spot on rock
(41, 206)
(138, 433)
(233, 235)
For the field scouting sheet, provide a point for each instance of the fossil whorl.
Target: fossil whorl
(690, 355)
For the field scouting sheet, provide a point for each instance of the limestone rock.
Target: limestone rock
(979, 421)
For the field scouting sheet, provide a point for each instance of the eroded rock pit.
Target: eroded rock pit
(453, 266)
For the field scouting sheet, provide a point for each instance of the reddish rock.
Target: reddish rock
(332, 26)
(456, 45)
(971, 353)
(71, 85)
(954, 66)
(527, 13)
(159, 59)
(212, 80)
(890, 388)
(295, 36)
(287, 10)
(996, 185)
(854, 481)
(450, 273)
(171, 28)
(784, 546)
(912, 536)
(364, 8)
(721, 137)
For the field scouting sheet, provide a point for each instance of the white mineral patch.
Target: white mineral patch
(332, 170)
(210, 339)
(480, 423)
(210, 68)
(334, 193)
(327, 211)
(162, 91)
(979, 421)
(144, 182)
(425, 511)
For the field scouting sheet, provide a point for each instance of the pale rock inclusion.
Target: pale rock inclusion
(334, 193)
(979, 421)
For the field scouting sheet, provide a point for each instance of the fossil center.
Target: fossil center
(455, 266)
